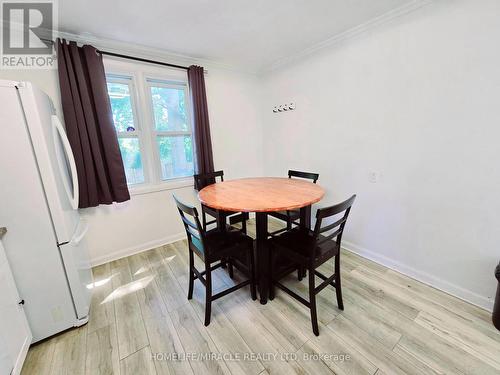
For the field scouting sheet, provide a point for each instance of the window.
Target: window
(171, 129)
(152, 122)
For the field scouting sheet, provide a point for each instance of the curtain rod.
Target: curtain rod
(142, 60)
(132, 57)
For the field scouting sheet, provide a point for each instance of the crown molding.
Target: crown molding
(142, 51)
(348, 34)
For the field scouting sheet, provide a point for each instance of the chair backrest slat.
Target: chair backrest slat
(335, 209)
(188, 222)
(323, 213)
(332, 226)
(329, 236)
(194, 230)
(204, 179)
(306, 175)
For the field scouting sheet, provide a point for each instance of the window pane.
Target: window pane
(121, 106)
(132, 161)
(169, 109)
(176, 156)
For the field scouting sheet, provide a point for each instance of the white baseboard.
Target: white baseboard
(136, 249)
(431, 280)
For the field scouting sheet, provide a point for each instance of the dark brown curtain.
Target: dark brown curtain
(89, 125)
(203, 142)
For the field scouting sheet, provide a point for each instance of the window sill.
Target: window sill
(168, 185)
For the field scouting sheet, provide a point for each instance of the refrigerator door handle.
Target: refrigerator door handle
(72, 195)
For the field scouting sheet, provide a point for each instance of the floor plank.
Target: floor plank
(70, 353)
(348, 360)
(39, 358)
(463, 336)
(138, 363)
(129, 323)
(161, 333)
(102, 351)
(101, 314)
(381, 357)
(195, 339)
(260, 340)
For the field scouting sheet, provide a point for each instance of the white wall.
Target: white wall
(417, 100)
(151, 219)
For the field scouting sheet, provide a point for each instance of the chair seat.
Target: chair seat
(297, 244)
(221, 244)
(292, 215)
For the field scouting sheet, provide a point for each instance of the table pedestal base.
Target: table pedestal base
(262, 253)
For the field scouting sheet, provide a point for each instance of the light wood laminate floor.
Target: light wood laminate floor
(391, 325)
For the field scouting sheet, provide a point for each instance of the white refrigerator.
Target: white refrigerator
(46, 246)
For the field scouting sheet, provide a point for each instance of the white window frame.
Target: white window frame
(141, 77)
(158, 82)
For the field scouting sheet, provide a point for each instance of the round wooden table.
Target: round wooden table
(262, 195)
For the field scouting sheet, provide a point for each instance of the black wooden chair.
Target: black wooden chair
(312, 249)
(204, 179)
(291, 216)
(212, 247)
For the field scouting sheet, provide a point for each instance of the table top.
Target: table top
(261, 194)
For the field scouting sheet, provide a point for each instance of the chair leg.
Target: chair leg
(312, 300)
(300, 272)
(230, 268)
(271, 288)
(272, 266)
(204, 220)
(208, 294)
(288, 224)
(338, 286)
(253, 287)
(191, 274)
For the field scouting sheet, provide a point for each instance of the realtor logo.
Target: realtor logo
(27, 29)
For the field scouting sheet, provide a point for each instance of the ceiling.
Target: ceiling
(251, 35)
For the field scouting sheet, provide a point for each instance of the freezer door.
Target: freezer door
(54, 158)
(78, 270)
